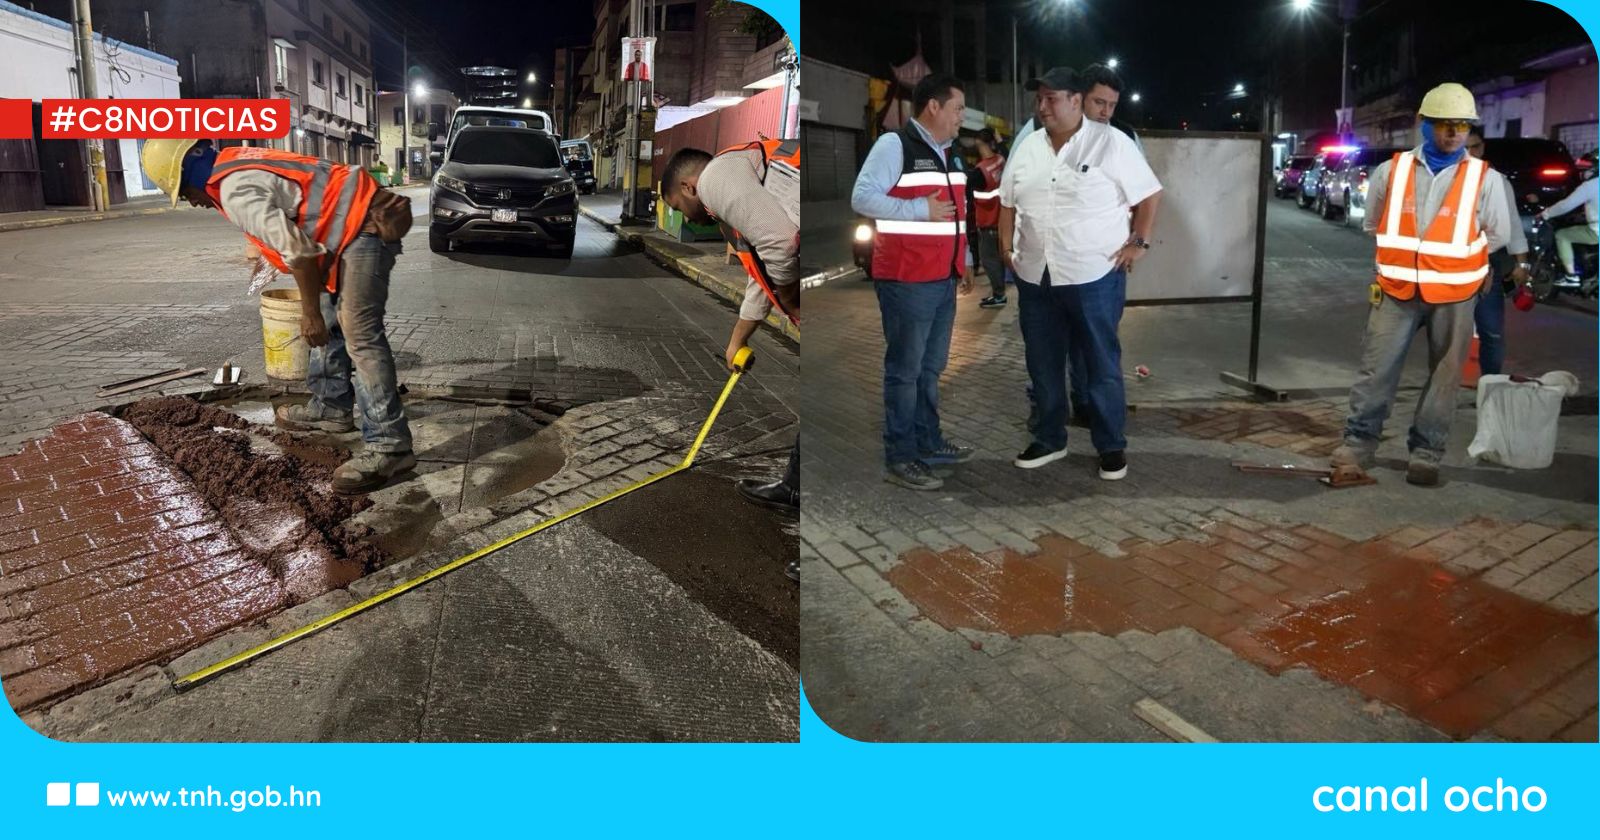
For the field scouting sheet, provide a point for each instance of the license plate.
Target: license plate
(502, 215)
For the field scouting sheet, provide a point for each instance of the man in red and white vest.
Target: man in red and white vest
(914, 189)
(1437, 216)
(331, 227)
(985, 192)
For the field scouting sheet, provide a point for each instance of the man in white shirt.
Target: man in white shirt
(1066, 196)
(1587, 194)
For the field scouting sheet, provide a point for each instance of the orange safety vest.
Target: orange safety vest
(334, 198)
(787, 151)
(1447, 262)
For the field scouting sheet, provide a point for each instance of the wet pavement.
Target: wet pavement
(1046, 604)
(537, 384)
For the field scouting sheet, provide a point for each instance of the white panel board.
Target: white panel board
(1205, 239)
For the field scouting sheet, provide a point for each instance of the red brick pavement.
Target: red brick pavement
(1397, 617)
(1309, 428)
(110, 560)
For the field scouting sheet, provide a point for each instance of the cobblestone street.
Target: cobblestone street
(1046, 604)
(608, 360)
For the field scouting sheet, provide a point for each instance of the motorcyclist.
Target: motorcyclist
(1587, 194)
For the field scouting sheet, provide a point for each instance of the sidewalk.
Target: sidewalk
(1050, 605)
(141, 206)
(703, 263)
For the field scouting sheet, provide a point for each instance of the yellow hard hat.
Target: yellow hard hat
(1449, 101)
(162, 161)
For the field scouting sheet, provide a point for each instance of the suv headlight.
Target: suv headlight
(451, 184)
(561, 188)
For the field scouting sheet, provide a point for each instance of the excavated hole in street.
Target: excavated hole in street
(273, 488)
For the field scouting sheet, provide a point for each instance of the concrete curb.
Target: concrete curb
(732, 292)
(29, 224)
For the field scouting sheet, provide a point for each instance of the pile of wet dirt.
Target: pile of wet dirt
(727, 553)
(280, 505)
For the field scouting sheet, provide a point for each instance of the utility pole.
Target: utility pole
(405, 123)
(99, 192)
(630, 156)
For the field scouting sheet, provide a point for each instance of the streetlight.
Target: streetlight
(532, 77)
(1238, 88)
(1135, 97)
(1112, 63)
(1347, 13)
(419, 89)
(1302, 5)
(527, 103)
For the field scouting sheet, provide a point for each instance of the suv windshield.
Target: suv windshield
(506, 148)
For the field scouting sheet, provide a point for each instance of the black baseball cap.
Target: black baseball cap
(1056, 78)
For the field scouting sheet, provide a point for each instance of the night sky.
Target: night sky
(1177, 55)
(520, 35)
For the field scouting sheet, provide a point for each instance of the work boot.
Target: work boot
(298, 418)
(1352, 456)
(1422, 472)
(368, 470)
(775, 495)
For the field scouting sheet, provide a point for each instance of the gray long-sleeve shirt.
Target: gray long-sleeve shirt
(731, 188)
(265, 205)
(1496, 215)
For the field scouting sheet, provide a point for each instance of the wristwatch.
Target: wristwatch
(1140, 241)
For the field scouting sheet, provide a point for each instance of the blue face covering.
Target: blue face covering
(197, 168)
(1436, 158)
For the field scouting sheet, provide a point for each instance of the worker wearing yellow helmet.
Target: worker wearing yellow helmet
(1437, 215)
(331, 227)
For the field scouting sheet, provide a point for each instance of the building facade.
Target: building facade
(431, 113)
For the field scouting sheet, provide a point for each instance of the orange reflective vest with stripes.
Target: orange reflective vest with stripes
(334, 198)
(986, 194)
(785, 151)
(1447, 262)
(923, 252)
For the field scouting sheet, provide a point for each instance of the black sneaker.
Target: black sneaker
(948, 454)
(914, 475)
(1113, 466)
(1037, 455)
(993, 302)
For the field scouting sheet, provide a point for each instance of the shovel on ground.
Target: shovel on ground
(1336, 477)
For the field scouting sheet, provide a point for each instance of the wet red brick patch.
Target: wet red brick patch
(1390, 617)
(111, 558)
(1311, 428)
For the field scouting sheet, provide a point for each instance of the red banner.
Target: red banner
(220, 119)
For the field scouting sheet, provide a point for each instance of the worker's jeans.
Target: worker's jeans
(1490, 314)
(356, 340)
(1079, 323)
(1390, 327)
(917, 320)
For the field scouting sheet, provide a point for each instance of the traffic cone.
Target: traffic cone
(1469, 367)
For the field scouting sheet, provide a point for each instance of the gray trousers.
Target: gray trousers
(1390, 328)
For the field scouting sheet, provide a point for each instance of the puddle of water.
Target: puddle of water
(1455, 652)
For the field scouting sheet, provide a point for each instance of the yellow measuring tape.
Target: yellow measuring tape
(741, 363)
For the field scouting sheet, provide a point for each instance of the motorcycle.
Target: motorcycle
(1550, 278)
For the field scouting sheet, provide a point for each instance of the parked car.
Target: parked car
(503, 184)
(1311, 181)
(1345, 193)
(578, 156)
(1288, 183)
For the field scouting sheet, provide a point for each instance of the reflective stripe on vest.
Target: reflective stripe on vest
(334, 227)
(787, 151)
(1445, 263)
(922, 251)
(987, 201)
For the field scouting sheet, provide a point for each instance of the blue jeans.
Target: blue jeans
(1077, 323)
(917, 320)
(1490, 316)
(1391, 326)
(356, 340)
